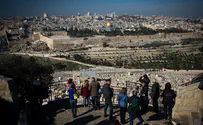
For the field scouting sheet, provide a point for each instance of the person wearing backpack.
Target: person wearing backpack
(73, 101)
(155, 96)
(122, 99)
(134, 108)
(168, 101)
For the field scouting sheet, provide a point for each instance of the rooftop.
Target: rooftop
(60, 37)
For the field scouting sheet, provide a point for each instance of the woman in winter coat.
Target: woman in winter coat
(86, 93)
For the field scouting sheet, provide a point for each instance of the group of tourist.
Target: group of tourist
(136, 105)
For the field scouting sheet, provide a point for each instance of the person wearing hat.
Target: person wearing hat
(144, 93)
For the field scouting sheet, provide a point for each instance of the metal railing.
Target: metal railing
(57, 90)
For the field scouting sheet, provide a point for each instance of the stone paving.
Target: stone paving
(59, 113)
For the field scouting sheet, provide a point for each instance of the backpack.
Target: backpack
(134, 106)
(76, 94)
(201, 85)
(100, 91)
(168, 98)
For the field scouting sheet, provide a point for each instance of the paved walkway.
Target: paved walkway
(55, 58)
(59, 113)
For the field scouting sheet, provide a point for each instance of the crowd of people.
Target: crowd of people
(136, 105)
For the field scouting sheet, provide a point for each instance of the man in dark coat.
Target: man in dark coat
(144, 93)
(94, 92)
(108, 94)
(155, 93)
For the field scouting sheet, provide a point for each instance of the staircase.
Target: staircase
(188, 109)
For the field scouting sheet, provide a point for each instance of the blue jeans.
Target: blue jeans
(95, 102)
(88, 101)
(133, 116)
(108, 103)
(73, 104)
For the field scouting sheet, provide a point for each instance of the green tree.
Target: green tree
(24, 70)
(105, 44)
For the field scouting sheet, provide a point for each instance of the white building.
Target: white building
(88, 13)
(45, 15)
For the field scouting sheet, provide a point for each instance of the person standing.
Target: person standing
(134, 108)
(100, 94)
(26, 115)
(37, 91)
(168, 101)
(122, 99)
(86, 93)
(155, 93)
(144, 93)
(108, 94)
(201, 85)
(94, 92)
(73, 101)
(70, 84)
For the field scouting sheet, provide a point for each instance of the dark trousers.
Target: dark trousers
(123, 111)
(144, 108)
(95, 102)
(168, 112)
(110, 105)
(133, 115)
(144, 104)
(73, 104)
(155, 105)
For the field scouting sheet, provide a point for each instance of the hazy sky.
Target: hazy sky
(185, 8)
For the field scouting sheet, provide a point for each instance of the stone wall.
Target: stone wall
(48, 41)
(8, 101)
(188, 109)
(146, 37)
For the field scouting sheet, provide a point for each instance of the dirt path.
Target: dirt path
(55, 58)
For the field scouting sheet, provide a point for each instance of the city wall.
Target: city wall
(54, 43)
(145, 37)
(48, 41)
(61, 33)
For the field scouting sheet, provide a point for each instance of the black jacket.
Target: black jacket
(145, 88)
(155, 91)
(107, 92)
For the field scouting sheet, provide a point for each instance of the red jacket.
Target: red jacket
(85, 91)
